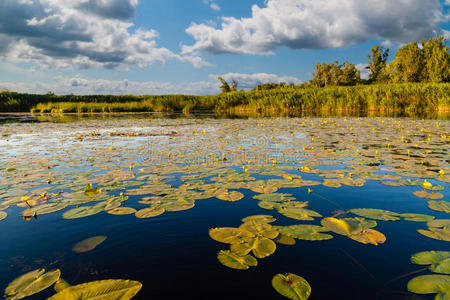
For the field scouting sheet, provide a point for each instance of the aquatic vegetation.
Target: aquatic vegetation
(298, 168)
(102, 289)
(291, 286)
(439, 261)
(88, 244)
(431, 284)
(31, 283)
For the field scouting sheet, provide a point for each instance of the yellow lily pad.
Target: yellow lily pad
(149, 212)
(231, 196)
(427, 195)
(306, 232)
(439, 205)
(260, 246)
(229, 235)
(369, 236)
(122, 211)
(439, 261)
(31, 283)
(231, 260)
(342, 227)
(291, 286)
(431, 284)
(102, 289)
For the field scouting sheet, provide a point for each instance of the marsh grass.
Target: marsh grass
(408, 98)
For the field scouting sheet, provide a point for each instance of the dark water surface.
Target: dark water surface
(172, 254)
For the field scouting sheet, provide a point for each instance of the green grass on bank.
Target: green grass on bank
(408, 97)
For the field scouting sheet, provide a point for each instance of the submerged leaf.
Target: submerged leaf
(103, 289)
(291, 286)
(31, 283)
(3, 215)
(231, 260)
(61, 284)
(81, 212)
(88, 244)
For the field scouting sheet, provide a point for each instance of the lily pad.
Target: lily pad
(274, 197)
(291, 286)
(231, 260)
(342, 227)
(31, 283)
(102, 289)
(229, 235)
(285, 240)
(259, 219)
(377, 214)
(231, 196)
(82, 212)
(417, 217)
(299, 213)
(88, 244)
(306, 232)
(431, 284)
(149, 212)
(427, 195)
(260, 246)
(3, 215)
(436, 233)
(439, 260)
(122, 211)
(369, 236)
(439, 205)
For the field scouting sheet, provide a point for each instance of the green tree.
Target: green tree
(225, 87)
(350, 75)
(436, 60)
(408, 64)
(377, 64)
(234, 86)
(335, 74)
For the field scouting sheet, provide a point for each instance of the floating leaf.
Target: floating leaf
(260, 229)
(436, 233)
(343, 227)
(149, 212)
(43, 209)
(439, 205)
(231, 196)
(285, 240)
(427, 195)
(231, 260)
(274, 197)
(88, 244)
(369, 236)
(31, 283)
(439, 260)
(417, 217)
(81, 212)
(61, 284)
(229, 235)
(102, 289)
(444, 223)
(122, 211)
(377, 214)
(291, 286)
(260, 246)
(299, 213)
(431, 284)
(306, 232)
(259, 219)
(3, 215)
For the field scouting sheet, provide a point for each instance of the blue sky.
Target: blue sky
(179, 46)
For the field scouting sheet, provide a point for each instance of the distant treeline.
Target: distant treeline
(411, 97)
(416, 80)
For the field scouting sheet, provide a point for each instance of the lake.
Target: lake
(163, 192)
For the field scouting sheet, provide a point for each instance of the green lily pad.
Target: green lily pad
(291, 286)
(274, 197)
(88, 244)
(259, 219)
(306, 232)
(121, 211)
(301, 214)
(82, 212)
(417, 217)
(436, 233)
(149, 212)
(439, 260)
(377, 214)
(43, 209)
(431, 284)
(102, 289)
(229, 235)
(439, 205)
(260, 246)
(231, 260)
(31, 283)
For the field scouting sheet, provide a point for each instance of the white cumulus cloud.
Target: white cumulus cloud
(84, 33)
(247, 81)
(312, 24)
